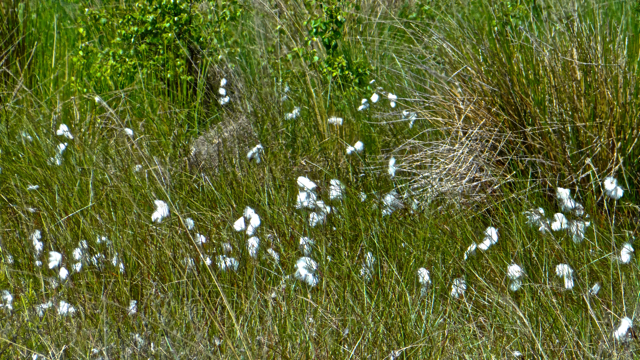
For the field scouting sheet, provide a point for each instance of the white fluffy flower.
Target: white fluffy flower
(392, 167)
(239, 225)
(223, 82)
(255, 153)
(374, 98)
(33, 187)
(63, 273)
(625, 253)
(189, 223)
(306, 245)
(594, 289)
(162, 211)
(535, 218)
(471, 250)
(424, 277)
(7, 300)
(611, 188)
(409, 115)
(273, 254)
(77, 267)
(77, 254)
(63, 130)
(391, 203)
(54, 259)
(64, 308)
(577, 229)
(129, 132)
(254, 222)
(253, 243)
(566, 272)
(490, 238)
(200, 239)
(392, 99)
(336, 190)
(37, 244)
(222, 91)
(621, 332)
(306, 271)
(226, 248)
(317, 218)
(227, 263)
(224, 100)
(515, 272)
(364, 105)
(458, 288)
(133, 307)
(566, 201)
(293, 114)
(334, 120)
(356, 148)
(305, 184)
(367, 267)
(42, 307)
(306, 200)
(560, 222)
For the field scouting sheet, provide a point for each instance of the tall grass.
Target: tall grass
(510, 104)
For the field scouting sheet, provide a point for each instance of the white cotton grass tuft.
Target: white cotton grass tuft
(305, 184)
(33, 187)
(63, 130)
(254, 222)
(458, 288)
(227, 263)
(626, 253)
(595, 289)
(611, 188)
(392, 99)
(392, 167)
(536, 219)
(306, 200)
(57, 159)
(274, 255)
(471, 250)
(40, 309)
(306, 245)
(133, 308)
(129, 132)
(162, 211)
(560, 222)
(226, 248)
(222, 91)
(317, 218)
(63, 273)
(358, 147)
(621, 332)
(223, 82)
(391, 203)
(7, 300)
(567, 203)
(566, 272)
(189, 223)
(336, 190)
(424, 279)
(55, 258)
(77, 267)
(293, 114)
(253, 243)
(224, 100)
(490, 238)
(64, 308)
(364, 105)
(515, 274)
(577, 229)
(366, 272)
(200, 239)
(374, 98)
(255, 153)
(306, 271)
(239, 225)
(410, 116)
(35, 240)
(334, 120)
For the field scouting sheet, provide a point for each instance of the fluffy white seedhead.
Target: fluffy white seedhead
(577, 229)
(306, 245)
(189, 223)
(391, 203)
(566, 272)
(239, 225)
(162, 211)
(129, 132)
(514, 271)
(274, 255)
(563, 194)
(77, 267)
(560, 222)
(224, 100)
(305, 184)
(392, 99)
(133, 308)
(222, 91)
(255, 153)
(200, 239)
(254, 222)
(223, 82)
(409, 115)
(35, 240)
(306, 271)
(358, 147)
(364, 104)
(227, 263)
(63, 130)
(594, 289)
(64, 308)
(424, 277)
(490, 238)
(306, 200)
(54, 259)
(611, 188)
(317, 218)
(471, 250)
(63, 273)
(334, 120)
(40, 309)
(226, 248)
(392, 167)
(458, 288)
(336, 190)
(566, 202)
(253, 243)
(374, 98)
(7, 300)
(625, 253)
(621, 332)
(77, 254)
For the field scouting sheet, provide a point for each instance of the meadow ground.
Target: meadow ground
(300, 179)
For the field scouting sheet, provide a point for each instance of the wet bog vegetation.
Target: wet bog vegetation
(319, 179)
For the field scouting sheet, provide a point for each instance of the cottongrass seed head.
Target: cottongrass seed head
(611, 188)
(424, 279)
(626, 253)
(560, 222)
(227, 263)
(253, 243)
(621, 332)
(162, 211)
(566, 272)
(490, 238)
(63, 130)
(306, 271)
(55, 258)
(458, 288)
(334, 120)
(515, 273)
(336, 190)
